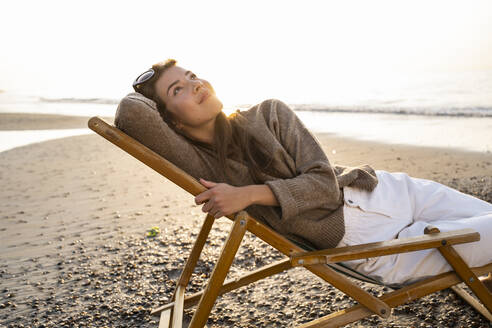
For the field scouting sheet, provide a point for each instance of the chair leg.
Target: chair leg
(220, 271)
(178, 307)
(467, 275)
(165, 318)
(184, 278)
(344, 284)
(464, 272)
(393, 299)
(472, 301)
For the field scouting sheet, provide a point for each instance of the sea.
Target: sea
(444, 110)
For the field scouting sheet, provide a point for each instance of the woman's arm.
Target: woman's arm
(262, 195)
(314, 184)
(222, 199)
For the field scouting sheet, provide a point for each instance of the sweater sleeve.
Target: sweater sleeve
(314, 184)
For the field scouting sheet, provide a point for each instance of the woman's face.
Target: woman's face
(191, 100)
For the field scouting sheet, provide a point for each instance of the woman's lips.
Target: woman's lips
(204, 96)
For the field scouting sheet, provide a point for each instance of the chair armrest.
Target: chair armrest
(404, 245)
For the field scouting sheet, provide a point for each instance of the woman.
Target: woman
(264, 160)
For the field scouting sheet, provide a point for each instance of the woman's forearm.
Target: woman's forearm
(223, 199)
(261, 195)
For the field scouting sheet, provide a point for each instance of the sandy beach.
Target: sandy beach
(74, 252)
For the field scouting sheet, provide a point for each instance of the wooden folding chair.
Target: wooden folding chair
(318, 262)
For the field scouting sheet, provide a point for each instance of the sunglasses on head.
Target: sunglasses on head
(142, 78)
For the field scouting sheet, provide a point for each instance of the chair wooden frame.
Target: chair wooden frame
(171, 314)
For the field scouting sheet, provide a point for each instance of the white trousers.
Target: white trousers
(401, 206)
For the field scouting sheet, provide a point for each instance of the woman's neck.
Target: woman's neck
(204, 133)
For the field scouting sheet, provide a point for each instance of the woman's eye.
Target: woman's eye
(193, 76)
(176, 90)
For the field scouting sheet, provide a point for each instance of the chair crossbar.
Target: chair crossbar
(232, 284)
(395, 246)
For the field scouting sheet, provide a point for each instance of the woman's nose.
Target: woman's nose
(197, 85)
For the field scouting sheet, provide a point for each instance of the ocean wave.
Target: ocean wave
(472, 111)
(104, 101)
(386, 107)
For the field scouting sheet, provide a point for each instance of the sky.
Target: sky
(298, 51)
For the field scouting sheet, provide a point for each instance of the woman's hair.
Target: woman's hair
(231, 138)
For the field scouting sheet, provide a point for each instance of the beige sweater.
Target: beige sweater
(311, 199)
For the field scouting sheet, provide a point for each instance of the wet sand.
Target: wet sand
(74, 253)
(21, 121)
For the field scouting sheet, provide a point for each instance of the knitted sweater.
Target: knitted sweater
(310, 198)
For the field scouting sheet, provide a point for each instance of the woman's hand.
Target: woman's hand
(222, 199)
